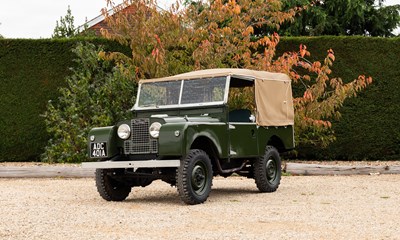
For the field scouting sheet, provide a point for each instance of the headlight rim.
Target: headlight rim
(126, 131)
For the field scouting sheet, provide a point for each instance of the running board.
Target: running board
(133, 164)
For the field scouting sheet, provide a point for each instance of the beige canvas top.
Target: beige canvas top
(273, 92)
(223, 72)
(274, 102)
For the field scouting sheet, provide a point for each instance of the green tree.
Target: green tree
(342, 17)
(65, 28)
(98, 93)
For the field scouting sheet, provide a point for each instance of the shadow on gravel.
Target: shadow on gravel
(169, 198)
(232, 191)
(172, 198)
(224, 193)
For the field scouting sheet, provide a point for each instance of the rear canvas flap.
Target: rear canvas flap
(274, 102)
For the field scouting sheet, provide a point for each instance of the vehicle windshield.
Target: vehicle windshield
(182, 92)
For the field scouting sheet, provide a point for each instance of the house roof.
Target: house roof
(98, 19)
(101, 17)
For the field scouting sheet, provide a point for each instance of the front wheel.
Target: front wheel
(194, 177)
(267, 170)
(109, 188)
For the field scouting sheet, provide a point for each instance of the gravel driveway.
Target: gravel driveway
(317, 207)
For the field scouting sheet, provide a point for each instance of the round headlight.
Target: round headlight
(154, 129)
(124, 131)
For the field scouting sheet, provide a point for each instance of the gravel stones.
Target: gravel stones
(304, 207)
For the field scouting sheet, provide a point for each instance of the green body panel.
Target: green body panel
(190, 129)
(243, 140)
(179, 132)
(216, 133)
(231, 140)
(109, 136)
(168, 143)
(285, 134)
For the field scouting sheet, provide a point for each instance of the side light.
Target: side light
(177, 133)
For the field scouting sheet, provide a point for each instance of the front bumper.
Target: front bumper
(133, 164)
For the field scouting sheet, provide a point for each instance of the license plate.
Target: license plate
(98, 150)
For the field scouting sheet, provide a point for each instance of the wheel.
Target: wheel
(194, 177)
(267, 170)
(109, 188)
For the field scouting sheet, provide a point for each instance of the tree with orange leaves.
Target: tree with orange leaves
(216, 33)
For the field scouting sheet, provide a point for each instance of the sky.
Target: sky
(37, 18)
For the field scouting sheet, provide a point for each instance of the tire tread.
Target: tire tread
(106, 189)
(183, 176)
(260, 172)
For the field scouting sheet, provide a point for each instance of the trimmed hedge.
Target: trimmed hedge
(369, 127)
(32, 70)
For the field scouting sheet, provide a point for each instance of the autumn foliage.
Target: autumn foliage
(216, 33)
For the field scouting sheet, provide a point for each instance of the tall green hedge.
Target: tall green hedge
(32, 70)
(30, 73)
(369, 127)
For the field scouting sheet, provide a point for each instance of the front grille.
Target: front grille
(140, 142)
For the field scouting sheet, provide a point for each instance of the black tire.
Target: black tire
(194, 177)
(267, 170)
(110, 189)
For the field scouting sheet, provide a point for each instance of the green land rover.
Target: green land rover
(185, 131)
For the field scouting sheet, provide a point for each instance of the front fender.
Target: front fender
(172, 139)
(176, 138)
(214, 132)
(107, 135)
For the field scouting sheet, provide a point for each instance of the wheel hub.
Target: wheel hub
(198, 177)
(271, 169)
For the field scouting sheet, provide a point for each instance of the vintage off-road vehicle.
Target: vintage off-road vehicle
(184, 133)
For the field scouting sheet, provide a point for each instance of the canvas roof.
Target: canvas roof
(217, 72)
(273, 92)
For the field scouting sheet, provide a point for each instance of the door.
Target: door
(243, 139)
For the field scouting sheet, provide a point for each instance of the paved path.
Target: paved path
(45, 171)
(37, 170)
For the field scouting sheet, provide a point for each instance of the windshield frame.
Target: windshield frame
(184, 105)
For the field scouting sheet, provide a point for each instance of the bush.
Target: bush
(31, 71)
(97, 94)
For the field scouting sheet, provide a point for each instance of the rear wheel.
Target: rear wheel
(194, 177)
(109, 188)
(267, 170)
